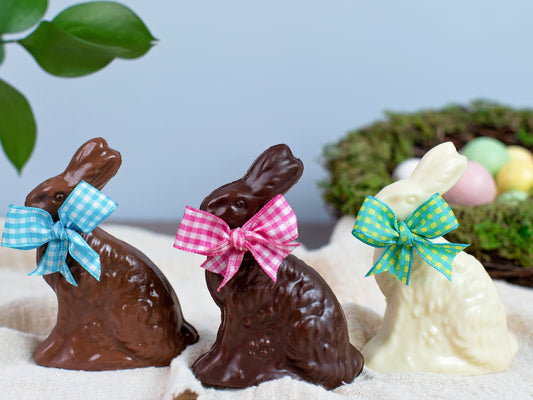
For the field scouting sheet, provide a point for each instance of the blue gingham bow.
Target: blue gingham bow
(376, 225)
(28, 228)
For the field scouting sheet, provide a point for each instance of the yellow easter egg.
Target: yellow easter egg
(515, 175)
(519, 153)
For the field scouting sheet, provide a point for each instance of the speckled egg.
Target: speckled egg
(515, 175)
(519, 153)
(489, 152)
(405, 169)
(476, 187)
(512, 196)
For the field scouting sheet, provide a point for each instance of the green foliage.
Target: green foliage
(109, 25)
(362, 162)
(17, 126)
(497, 231)
(61, 54)
(19, 15)
(80, 40)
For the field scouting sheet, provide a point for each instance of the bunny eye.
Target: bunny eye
(240, 203)
(60, 196)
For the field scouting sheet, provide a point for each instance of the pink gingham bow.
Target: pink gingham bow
(267, 235)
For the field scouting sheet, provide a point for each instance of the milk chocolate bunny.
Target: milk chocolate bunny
(293, 326)
(435, 325)
(131, 317)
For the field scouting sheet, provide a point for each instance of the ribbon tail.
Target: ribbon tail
(53, 257)
(65, 271)
(41, 268)
(226, 264)
(84, 255)
(406, 262)
(234, 262)
(216, 263)
(389, 257)
(439, 255)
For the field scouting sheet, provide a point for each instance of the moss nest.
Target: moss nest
(499, 235)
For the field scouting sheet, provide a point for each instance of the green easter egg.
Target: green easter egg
(489, 152)
(512, 196)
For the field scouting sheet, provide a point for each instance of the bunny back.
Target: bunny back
(291, 327)
(131, 318)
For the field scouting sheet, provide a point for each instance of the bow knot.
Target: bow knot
(405, 237)
(59, 232)
(267, 235)
(238, 239)
(377, 225)
(28, 228)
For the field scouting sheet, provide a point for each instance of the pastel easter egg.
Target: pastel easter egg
(476, 187)
(515, 175)
(405, 169)
(489, 152)
(519, 153)
(512, 196)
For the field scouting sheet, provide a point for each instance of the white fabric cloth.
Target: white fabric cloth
(28, 312)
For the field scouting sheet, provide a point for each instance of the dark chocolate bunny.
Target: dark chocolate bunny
(292, 327)
(131, 317)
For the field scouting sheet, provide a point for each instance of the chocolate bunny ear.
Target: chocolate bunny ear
(94, 162)
(275, 171)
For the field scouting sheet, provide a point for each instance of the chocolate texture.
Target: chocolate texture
(130, 318)
(292, 327)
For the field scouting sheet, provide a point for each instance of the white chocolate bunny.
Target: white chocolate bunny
(435, 325)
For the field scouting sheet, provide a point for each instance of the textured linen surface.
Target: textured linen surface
(28, 312)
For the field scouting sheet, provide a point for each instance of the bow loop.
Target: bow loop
(28, 228)
(267, 235)
(377, 226)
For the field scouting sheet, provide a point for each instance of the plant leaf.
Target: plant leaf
(108, 24)
(63, 55)
(86, 37)
(17, 125)
(2, 53)
(19, 15)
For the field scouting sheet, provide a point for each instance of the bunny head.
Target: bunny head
(273, 172)
(438, 171)
(94, 162)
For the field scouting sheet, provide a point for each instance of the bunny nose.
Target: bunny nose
(59, 231)
(405, 238)
(36, 200)
(238, 239)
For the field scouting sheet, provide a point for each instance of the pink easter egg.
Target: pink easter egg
(476, 187)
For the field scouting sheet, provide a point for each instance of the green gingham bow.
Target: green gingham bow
(377, 226)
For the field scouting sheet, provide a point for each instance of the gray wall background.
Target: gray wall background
(230, 78)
